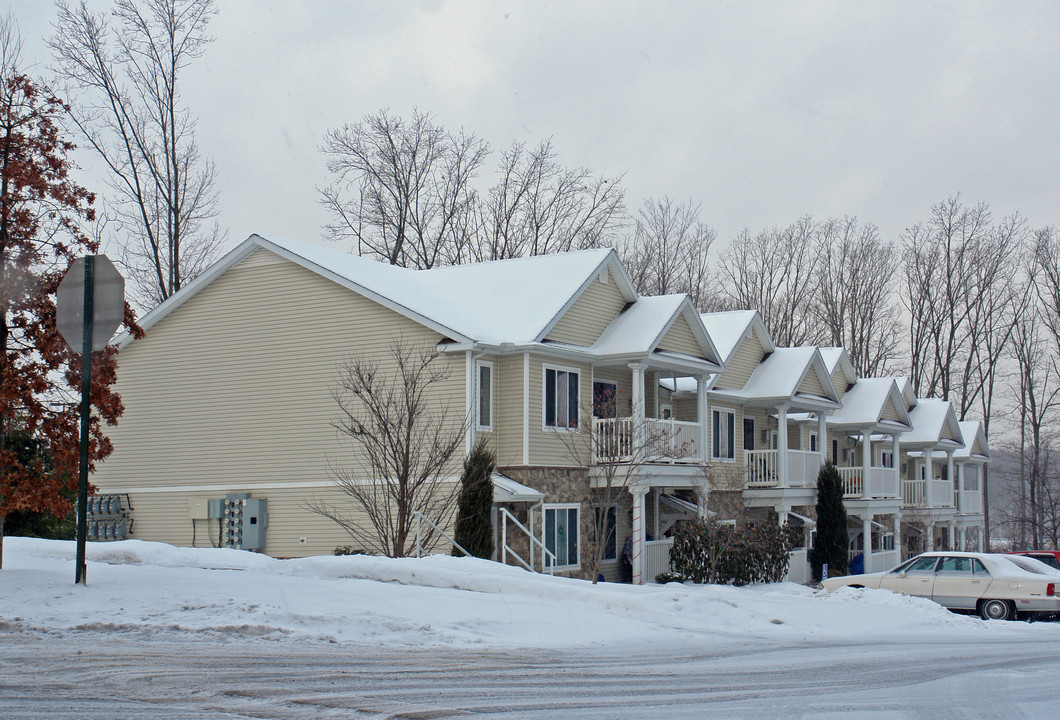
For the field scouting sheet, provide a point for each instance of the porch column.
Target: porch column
(866, 463)
(702, 497)
(929, 536)
(898, 535)
(822, 436)
(953, 535)
(782, 446)
(979, 539)
(638, 409)
(951, 501)
(929, 473)
(959, 492)
(702, 416)
(897, 464)
(639, 548)
(866, 542)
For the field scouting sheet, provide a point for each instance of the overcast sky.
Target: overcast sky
(761, 112)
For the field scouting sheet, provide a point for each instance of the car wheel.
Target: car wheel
(997, 610)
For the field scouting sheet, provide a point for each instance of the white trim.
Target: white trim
(731, 411)
(526, 408)
(230, 487)
(545, 427)
(545, 507)
(478, 394)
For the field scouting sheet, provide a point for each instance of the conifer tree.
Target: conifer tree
(830, 545)
(474, 528)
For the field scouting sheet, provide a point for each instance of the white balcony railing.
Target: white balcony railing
(937, 493)
(762, 466)
(940, 493)
(656, 558)
(914, 493)
(971, 502)
(663, 441)
(882, 482)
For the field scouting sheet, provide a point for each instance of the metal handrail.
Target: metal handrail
(505, 548)
(419, 547)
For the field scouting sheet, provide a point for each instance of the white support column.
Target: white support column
(866, 542)
(655, 511)
(951, 500)
(703, 416)
(898, 535)
(638, 409)
(897, 464)
(782, 446)
(702, 497)
(979, 539)
(638, 493)
(929, 473)
(959, 492)
(822, 436)
(952, 535)
(929, 537)
(866, 463)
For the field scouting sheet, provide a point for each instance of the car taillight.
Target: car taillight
(1050, 589)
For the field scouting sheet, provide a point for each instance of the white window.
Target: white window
(723, 433)
(561, 398)
(561, 536)
(813, 442)
(485, 396)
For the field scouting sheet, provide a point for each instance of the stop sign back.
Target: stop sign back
(108, 302)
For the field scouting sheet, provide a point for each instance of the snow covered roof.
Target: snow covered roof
(837, 357)
(931, 419)
(906, 388)
(727, 329)
(780, 376)
(643, 324)
(864, 404)
(507, 301)
(507, 490)
(975, 443)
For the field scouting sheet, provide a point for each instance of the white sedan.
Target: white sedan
(991, 584)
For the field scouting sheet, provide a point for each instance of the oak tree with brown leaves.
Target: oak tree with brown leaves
(40, 212)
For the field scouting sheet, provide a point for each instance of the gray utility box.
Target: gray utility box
(243, 521)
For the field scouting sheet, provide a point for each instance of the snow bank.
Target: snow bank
(157, 589)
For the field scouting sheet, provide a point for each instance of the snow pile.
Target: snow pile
(157, 589)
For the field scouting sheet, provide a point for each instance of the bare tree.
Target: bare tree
(125, 72)
(961, 272)
(404, 442)
(855, 303)
(538, 206)
(772, 272)
(403, 189)
(669, 251)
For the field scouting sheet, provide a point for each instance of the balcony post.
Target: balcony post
(638, 409)
(960, 488)
(953, 535)
(897, 464)
(866, 542)
(701, 415)
(929, 473)
(898, 535)
(950, 476)
(822, 436)
(782, 446)
(639, 547)
(929, 537)
(866, 462)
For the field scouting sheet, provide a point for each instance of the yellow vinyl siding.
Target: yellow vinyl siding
(744, 360)
(811, 384)
(508, 406)
(839, 380)
(890, 412)
(590, 314)
(951, 433)
(558, 448)
(679, 338)
(235, 385)
(623, 381)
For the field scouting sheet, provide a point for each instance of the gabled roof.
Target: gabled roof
(779, 376)
(864, 404)
(837, 357)
(639, 329)
(506, 301)
(975, 443)
(727, 329)
(906, 388)
(931, 418)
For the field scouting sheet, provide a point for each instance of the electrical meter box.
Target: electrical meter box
(255, 520)
(197, 509)
(243, 521)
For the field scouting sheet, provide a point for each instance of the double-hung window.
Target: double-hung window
(485, 396)
(723, 434)
(561, 536)
(561, 398)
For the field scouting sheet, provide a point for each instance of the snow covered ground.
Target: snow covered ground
(143, 598)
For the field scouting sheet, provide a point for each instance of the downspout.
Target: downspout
(471, 395)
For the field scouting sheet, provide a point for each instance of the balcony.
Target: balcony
(882, 482)
(971, 502)
(762, 466)
(924, 494)
(662, 441)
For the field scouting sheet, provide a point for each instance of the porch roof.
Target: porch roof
(507, 490)
(932, 420)
(864, 404)
(777, 378)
